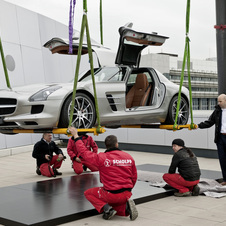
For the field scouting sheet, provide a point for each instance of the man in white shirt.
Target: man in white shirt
(218, 117)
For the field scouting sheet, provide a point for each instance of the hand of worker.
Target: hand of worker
(78, 160)
(47, 157)
(60, 157)
(73, 131)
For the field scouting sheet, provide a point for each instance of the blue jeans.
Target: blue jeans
(221, 147)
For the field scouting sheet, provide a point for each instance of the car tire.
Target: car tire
(183, 114)
(84, 112)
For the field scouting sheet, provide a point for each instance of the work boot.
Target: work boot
(38, 171)
(131, 209)
(195, 191)
(185, 194)
(109, 212)
(56, 172)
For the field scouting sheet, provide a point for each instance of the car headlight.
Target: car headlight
(44, 93)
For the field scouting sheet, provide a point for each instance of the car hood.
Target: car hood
(30, 89)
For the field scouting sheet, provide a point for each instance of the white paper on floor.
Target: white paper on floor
(209, 187)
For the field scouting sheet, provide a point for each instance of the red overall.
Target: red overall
(175, 180)
(46, 169)
(99, 197)
(73, 153)
(118, 174)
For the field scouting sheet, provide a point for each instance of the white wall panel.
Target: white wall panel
(62, 30)
(28, 28)
(18, 140)
(51, 66)
(2, 77)
(36, 137)
(2, 141)
(33, 65)
(66, 68)
(8, 23)
(47, 28)
(16, 77)
(146, 136)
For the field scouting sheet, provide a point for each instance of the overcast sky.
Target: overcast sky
(167, 17)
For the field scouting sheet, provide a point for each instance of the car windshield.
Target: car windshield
(104, 74)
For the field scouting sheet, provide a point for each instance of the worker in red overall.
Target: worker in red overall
(78, 163)
(118, 174)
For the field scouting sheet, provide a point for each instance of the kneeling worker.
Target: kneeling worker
(43, 152)
(118, 174)
(78, 163)
(186, 181)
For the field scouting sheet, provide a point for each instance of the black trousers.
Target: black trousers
(221, 147)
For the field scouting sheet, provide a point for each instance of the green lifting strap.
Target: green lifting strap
(4, 65)
(101, 24)
(186, 57)
(83, 26)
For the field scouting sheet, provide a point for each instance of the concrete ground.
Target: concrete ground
(20, 168)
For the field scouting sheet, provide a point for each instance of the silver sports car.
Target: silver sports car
(127, 94)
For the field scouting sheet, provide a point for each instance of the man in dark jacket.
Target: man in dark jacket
(218, 117)
(186, 181)
(43, 152)
(118, 174)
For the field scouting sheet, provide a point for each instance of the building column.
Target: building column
(221, 44)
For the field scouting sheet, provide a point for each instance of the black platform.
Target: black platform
(61, 200)
(208, 174)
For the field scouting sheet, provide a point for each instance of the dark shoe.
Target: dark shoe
(195, 191)
(223, 183)
(109, 212)
(131, 209)
(38, 171)
(56, 172)
(185, 194)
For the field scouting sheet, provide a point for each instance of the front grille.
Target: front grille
(7, 106)
(8, 124)
(10, 101)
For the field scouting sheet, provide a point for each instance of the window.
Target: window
(195, 104)
(132, 78)
(204, 104)
(213, 103)
(105, 74)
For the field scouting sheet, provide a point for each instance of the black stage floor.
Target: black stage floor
(208, 174)
(61, 200)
